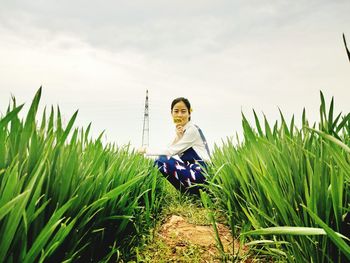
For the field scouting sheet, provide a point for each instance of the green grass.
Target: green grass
(284, 176)
(283, 190)
(66, 197)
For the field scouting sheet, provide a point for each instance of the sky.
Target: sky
(226, 57)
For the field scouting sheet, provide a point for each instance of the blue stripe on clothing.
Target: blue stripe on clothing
(183, 172)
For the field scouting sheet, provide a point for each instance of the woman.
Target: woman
(182, 162)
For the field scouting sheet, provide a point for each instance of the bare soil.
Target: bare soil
(183, 238)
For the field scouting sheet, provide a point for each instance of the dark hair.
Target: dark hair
(184, 100)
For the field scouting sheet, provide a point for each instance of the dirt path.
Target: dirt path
(177, 240)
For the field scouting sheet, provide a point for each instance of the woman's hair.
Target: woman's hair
(184, 100)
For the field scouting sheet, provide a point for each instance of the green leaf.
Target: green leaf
(334, 236)
(68, 128)
(9, 116)
(5, 209)
(332, 139)
(257, 124)
(292, 230)
(343, 122)
(330, 116)
(346, 47)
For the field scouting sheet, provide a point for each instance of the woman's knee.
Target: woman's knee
(159, 162)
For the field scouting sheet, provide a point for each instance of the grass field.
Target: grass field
(287, 189)
(64, 197)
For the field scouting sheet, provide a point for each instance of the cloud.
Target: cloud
(225, 56)
(167, 29)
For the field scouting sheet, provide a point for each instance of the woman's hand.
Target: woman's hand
(179, 131)
(142, 150)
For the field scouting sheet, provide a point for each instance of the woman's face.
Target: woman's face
(180, 113)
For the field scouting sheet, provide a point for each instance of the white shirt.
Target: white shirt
(190, 138)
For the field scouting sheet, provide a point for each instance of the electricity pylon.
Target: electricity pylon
(145, 131)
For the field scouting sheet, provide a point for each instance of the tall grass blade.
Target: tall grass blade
(289, 230)
(346, 47)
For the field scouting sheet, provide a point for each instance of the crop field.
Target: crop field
(287, 188)
(64, 197)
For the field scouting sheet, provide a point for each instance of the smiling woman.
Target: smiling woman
(183, 162)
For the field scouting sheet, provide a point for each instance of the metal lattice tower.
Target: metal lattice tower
(145, 131)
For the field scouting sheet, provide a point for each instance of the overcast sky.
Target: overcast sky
(224, 56)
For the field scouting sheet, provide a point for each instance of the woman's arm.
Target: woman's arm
(179, 145)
